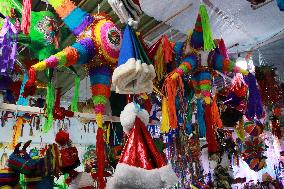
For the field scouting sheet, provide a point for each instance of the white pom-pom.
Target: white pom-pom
(129, 114)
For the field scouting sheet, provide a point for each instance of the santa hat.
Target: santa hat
(141, 165)
(134, 73)
(201, 37)
(84, 180)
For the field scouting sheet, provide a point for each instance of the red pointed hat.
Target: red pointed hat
(141, 165)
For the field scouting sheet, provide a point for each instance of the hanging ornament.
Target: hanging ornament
(254, 104)
(253, 128)
(253, 153)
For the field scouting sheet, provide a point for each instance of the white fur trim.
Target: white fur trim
(125, 71)
(130, 177)
(130, 80)
(129, 114)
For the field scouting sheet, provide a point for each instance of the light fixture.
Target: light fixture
(242, 63)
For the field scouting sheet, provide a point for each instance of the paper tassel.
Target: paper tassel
(171, 87)
(16, 132)
(215, 113)
(74, 104)
(100, 152)
(168, 49)
(26, 18)
(165, 125)
(159, 63)
(207, 33)
(30, 86)
(22, 181)
(210, 130)
(200, 119)
(49, 107)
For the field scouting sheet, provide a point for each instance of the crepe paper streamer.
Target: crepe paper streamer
(188, 64)
(202, 86)
(280, 4)
(16, 132)
(223, 49)
(100, 86)
(163, 56)
(165, 124)
(238, 86)
(21, 100)
(8, 46)
(200, 119)
(224, 65)
(159, 63)
(210, 130)
(171, 88)
(207, 33)
(50, 97)
(74, 104)
(26, 16)
(109, 40)
(254, 104)
(215, 113)
(100, 152)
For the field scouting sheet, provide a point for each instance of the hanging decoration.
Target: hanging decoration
(96, 35)
(8, 47)
(161, 53)
(254, 104)
(135, 72)
(202, 57)
(26, 16)
(253, 153)
(140, 165)
(253, 128)
(270, 89)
